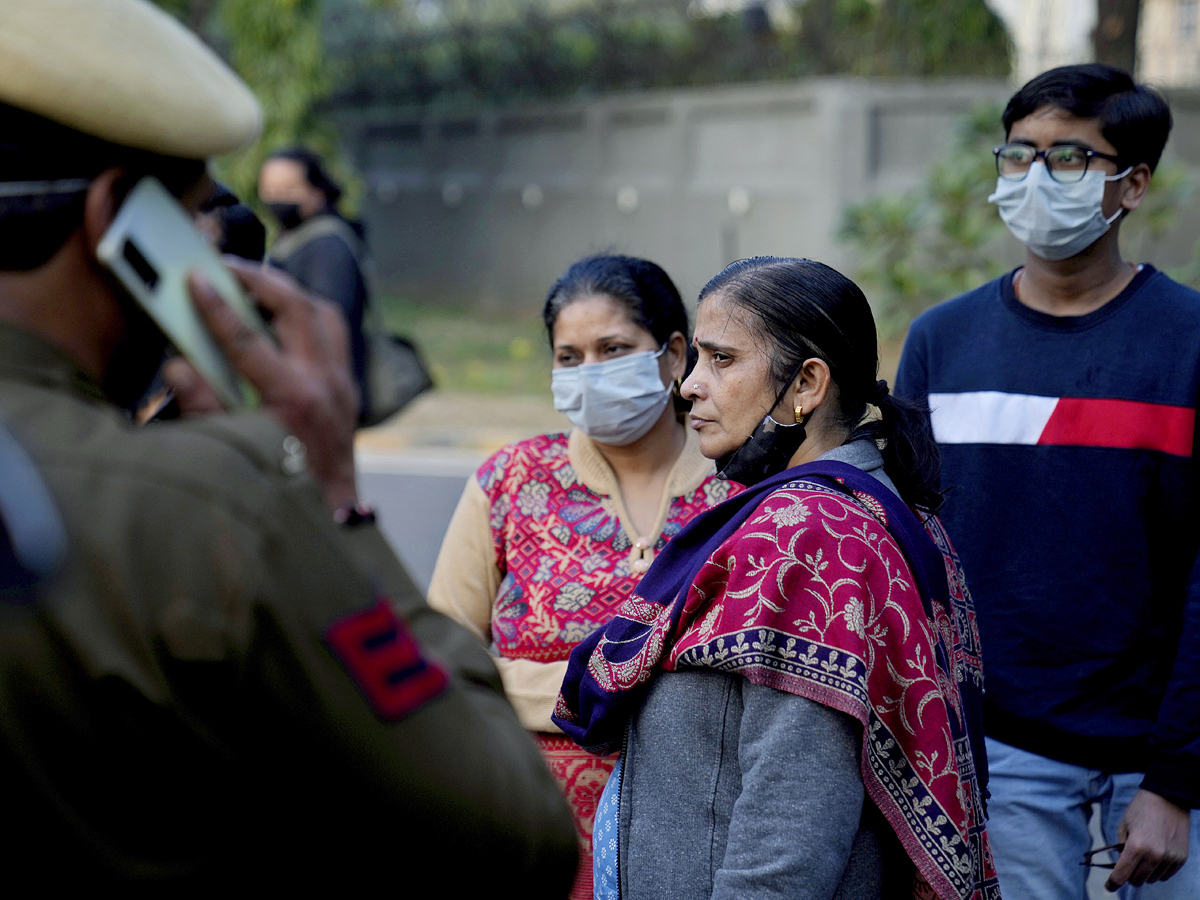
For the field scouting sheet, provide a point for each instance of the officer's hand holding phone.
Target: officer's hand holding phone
(302, 377)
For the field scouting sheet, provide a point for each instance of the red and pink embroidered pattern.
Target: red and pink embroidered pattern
(563, 556)
(564, 562)
(813, 596)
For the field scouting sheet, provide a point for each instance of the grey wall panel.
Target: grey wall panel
(491, 207)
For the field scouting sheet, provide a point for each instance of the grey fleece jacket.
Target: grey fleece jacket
(733, 790)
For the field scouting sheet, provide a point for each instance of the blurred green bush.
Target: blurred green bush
(458, 54)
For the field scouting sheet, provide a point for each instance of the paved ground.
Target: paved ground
(413, 467)
(458, 423)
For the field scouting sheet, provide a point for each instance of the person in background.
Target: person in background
(232, 226)
(553, 533)
(318, 246)
(1063, 398)
(795, 684)
(230, 680)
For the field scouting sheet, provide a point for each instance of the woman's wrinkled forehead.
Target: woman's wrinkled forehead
(594, 312)
(722, 318)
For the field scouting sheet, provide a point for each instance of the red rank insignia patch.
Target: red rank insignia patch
(381, 655)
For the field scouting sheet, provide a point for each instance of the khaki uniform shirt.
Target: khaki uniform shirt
(220, 683)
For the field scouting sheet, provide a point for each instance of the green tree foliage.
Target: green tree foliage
(498, 53)
(937, 240)
(276, 46)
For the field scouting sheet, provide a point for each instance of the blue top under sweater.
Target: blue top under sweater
(1068, 451)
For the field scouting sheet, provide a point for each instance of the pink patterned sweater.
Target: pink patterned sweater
(540, 552)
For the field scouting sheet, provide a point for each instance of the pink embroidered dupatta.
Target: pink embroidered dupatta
(803, 586)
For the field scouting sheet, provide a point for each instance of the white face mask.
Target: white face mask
(613, 402)
(1055, 221)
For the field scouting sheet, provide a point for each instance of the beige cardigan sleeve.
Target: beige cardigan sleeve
(464, 586)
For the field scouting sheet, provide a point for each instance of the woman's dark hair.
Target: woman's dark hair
(643, 288)
(315, 172)
(803, 309)
(1133, 117)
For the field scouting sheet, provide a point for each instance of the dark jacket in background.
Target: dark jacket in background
(325, 254)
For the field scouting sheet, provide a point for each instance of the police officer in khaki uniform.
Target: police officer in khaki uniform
(231, 683)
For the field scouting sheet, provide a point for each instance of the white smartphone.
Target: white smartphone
(151, 247)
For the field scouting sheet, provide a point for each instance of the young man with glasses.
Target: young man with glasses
(1063, 396)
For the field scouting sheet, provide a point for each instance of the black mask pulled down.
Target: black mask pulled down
(765, 453)
(286, 214)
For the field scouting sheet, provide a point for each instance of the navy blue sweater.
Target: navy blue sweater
(1069, 458)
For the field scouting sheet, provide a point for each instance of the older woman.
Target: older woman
(796, 681)
(554, 533)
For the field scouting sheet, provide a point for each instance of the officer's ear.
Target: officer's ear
(100, 206)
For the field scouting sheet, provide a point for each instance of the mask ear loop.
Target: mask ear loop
(769, 447)
(1120, 210)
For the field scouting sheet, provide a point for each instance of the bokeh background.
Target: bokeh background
(489, 143)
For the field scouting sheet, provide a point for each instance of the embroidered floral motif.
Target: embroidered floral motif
(600, 524)
(596, 561)
(561, 550)
(492, 472)
(509, 607)
(854, 616)
(792, 514)
(574, 632)
(813, 596)
(573, 596)
(531, 499)
(716, 490)
(500, 509)
(544, 570)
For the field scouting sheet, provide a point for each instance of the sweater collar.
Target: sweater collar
(594, 472)
(862, 454)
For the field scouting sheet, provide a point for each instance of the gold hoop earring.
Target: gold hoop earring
(799, 414)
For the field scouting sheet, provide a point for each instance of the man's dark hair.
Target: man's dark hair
(34, 227)
(1133, 118)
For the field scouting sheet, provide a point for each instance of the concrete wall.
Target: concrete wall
(492, 207)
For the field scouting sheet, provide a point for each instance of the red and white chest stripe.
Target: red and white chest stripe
(994, 417)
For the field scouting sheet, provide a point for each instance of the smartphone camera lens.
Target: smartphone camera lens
(140, 264)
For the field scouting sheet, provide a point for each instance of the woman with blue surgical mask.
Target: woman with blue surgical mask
(554, 533)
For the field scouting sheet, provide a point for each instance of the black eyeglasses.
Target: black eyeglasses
(1066, 163)
(1088, 857)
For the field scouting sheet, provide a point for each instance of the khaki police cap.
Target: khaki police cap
(123, 71)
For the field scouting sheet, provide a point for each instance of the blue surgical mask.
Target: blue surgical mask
(1054, 220)
(613, 402)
